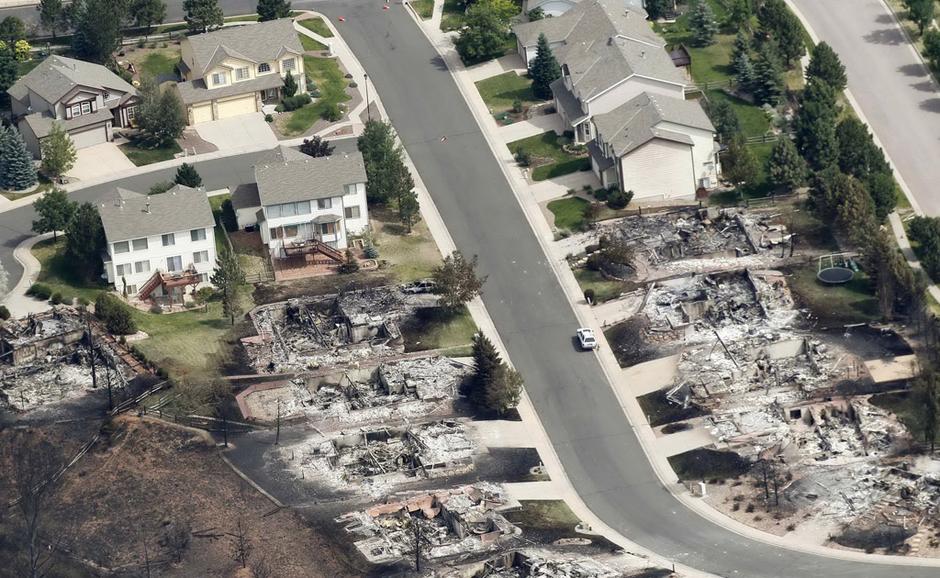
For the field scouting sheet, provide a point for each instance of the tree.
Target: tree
(744, 75)
(483, 35)
(767, 86)
(52, 16)
(273, 9)
(789, 38)
(824, 64)
(350, 264)
(402, 188)
(160, 187)
(11, 30)
(98, 29)
(228, 277)
(855, 212)
(504, 390)
(742, 47)
(535, 14)
(160, 115)
(16, 162)
(739, 15)
(702, 22)
(384, 160)
(456, 281)
(772, 15)
(58, 152)
(316, 147)
(883, 192)
(241, 545)
(85, 241)
(657, 9)
(544, 69)
(724, 118)
(932, 47)
(147, 13)
(739, 166)
(920, 12)
(503, 9)
(55, 211)
(290, 85)
(9, 71)
(927, 395)
(859, 156)
(187, 176)
(486, 362)
(116, 315)
(787, 168)
(815, 125)
(203, 15)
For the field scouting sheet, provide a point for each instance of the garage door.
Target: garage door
(89, 137)
(202, 113)
(237, 106)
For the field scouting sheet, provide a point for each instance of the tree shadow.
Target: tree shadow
(438, 63)
(912, 70)
(884, 19)
(926, 86)
(888, 36)
(931, 105)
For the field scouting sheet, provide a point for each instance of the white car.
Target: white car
(586, 338)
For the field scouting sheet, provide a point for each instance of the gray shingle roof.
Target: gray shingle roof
(261, 42)
(195, 91)
(568, 102)
(604, 42)
(285, 178)
(245, 197)
(57, 75)
(124, 213)
(41, 124)
(636, 122)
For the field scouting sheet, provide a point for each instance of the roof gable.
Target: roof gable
(255, 43)
(57, 75)
(129, 215)
(287, 175)
(641, 119)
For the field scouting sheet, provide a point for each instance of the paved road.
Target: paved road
(893, 89)
(174, 10)
(577, 406)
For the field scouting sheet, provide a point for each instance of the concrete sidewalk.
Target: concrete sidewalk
(532, 127)
(16, 299)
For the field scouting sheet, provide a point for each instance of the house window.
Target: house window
(264, 67)
(174, 264)
(201, 257)
(241, 73)
(76, 110)
(273, 212)
(122, 247)
(203, 277)
(142, 267)
(324, 203)
(290, 231)
(197, 235)
(131, 113)
(218, 78)
(86, 107)
(169, 239)
(350, 189)
(122, 270)
(140, 244)
(352, 212)
(303, 208)
(327, 228)
(106, 95)
(288, 64)
(132, 289)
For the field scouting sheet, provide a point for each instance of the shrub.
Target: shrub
(332, 113)
(589, 296)
(115, 314)
(619, 199)
(353, 85)
(523, 157)
(601, 194)
(586, 188)
(371, 252)
(279, 108)
(4, 312)
(295, 102)
(268, 118)
(228, 217)
(40, 291)
(351, 265)
(56, 298)
(517, 106)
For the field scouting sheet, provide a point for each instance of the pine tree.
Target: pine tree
(187, 176)
(544, 69)
(742, 47)
(17, 171)
(85, 241)
(767, 86)
(146, 13)
(52, 16)
(883, 192)
(55, 211)
(738, 164)
(815, 125)
(504, 390)
(928, 397)
(290, 85)
(203, 15)
(98, 28)
(58, 152)
(702, 21)
(786, 167)
(824, 64)
(486, 362)
(745, 75)
(228, 277)
(406, 198)
(724, 118)
(739, 16)
(789, 38)
(273, 9)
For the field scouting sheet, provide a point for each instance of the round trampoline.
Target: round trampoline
(835, 269)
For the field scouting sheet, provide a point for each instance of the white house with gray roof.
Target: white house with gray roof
(608, 54)
(234, 70)
(87, 99)
(159, 247)
(659, 147)
(305, 205)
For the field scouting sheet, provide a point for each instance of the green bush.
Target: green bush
(40, 291)
(205, 294)
(517, 106)
(56, 298)
(115, 314)
(332, 112)
(619, 199)
(268, 118)
(4, 312)
(523, 157)
(601, 194)
(371, 252)
(228, 217)
(590, 296)
(295, 102)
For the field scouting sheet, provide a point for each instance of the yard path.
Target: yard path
(16, 300)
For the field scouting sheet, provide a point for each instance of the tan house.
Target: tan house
(235, 70)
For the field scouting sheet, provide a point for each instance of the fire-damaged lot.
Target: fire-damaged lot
(775, 405)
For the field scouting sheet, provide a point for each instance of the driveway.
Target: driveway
(237, 132)
(98, 161)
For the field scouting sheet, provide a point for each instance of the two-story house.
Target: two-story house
(608, 55)
(656, 146)
(304, 205)
(87, 99)
(158, 246)
(234, 70)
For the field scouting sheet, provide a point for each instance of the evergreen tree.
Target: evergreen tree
(739, 15)
(290, 85)
(203, 15)
(824, 64)
(160, 115)
(859, 156)
(745, 76)
(402, 187)
(724, 118)
(739, 166)
(55, 211)
(931, 48)
(379, 152)
(9, 71)
(17, 171)
(187, 176)
(273, 9)
(316, 146)
(147, 13)
(85, 241)
(855, 212)
(544, 69)
(702, 22)
(657, 9)
(920, 12)
(786, 167)
(58, 152)
(883, 192)
(52, 16)
(772, 15)
(228, 278)
(816, 125)
(742, 48)
(504, 391)
(789, 38)
(928, 400)
(486, 364)
(767, 86)
(98, 29)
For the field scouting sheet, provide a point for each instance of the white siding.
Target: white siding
(628, 89)
(156, 255)
(659, 169)
(703, 152)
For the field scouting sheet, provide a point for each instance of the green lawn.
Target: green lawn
(43, 185)
(548, 158)
(26, 66)
(453, 15)
(424, 8)
(604, 289)
(242, 18)
(145, 156)
(411, 257)
(752, 119)
(329, 79)
(435, 328)
(58, 273)
(706, 464)
(908, 409)
(160, 63)
(833, 305)
(317, 26)
(501, 91)
(569, 212)
(311, 44)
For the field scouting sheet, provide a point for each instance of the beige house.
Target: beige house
(235, 70)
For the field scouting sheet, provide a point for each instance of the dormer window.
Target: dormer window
(288, 64)
(264, 67)
(241, 73)
(106, 95)
(218, 78)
